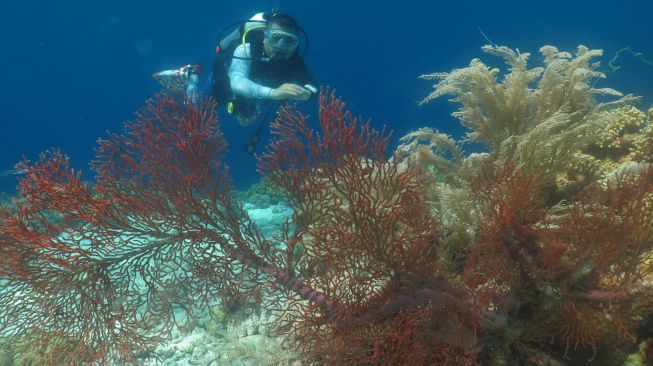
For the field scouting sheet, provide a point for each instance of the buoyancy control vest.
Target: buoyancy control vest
(263, 70)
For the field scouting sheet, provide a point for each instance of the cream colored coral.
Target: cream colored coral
(642, 149)
(430, 150)
(623, 174)
(584, 163)
(647, 202)
(538, 126)
(620, 122)
(581, 167)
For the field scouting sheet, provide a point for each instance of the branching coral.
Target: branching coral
(536, 126)
(369, 241)
(643, 144)
(157, 238)
(431, 150)
(621, 146)
(621, 126)
(428, 258)
(111, 268)
(563, 239)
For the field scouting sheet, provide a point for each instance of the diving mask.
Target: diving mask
(281, 40)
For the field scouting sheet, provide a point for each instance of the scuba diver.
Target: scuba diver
(257, 66)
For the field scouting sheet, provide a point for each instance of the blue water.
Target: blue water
(73, 69)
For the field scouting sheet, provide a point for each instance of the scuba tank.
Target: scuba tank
(239, 35)
(250, 30)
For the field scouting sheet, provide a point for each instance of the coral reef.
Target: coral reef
(535, 252)
(262, 194)
(535, 126)
(558, 233)
(118, 265)
(232, 342)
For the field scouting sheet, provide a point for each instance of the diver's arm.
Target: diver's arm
(241, 84)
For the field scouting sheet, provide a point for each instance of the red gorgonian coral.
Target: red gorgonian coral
(105, 269)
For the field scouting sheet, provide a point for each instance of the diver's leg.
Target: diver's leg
(184, 79)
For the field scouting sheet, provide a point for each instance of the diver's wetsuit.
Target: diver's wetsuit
(252, 77)
(245, 75)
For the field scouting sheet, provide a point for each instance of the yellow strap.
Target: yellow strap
(247, 32)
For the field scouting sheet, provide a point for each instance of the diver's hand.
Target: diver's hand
(290, 91)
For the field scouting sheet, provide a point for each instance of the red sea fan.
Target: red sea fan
(103, 269)
(369, 243)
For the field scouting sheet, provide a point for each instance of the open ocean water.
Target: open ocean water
(74, 69)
